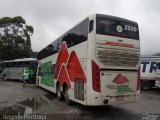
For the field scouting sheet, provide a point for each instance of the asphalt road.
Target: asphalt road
(32, 100)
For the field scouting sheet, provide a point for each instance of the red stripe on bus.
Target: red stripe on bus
(119, 44)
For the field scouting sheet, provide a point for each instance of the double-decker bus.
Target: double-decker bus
(13, 69)
(94, 63)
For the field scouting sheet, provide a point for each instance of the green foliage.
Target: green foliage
(15, 38)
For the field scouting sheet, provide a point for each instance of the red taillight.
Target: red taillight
(138, 79)
(96, 77)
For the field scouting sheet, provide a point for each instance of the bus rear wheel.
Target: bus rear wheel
(59, 92)
(66, 96)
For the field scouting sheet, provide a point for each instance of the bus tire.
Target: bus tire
(59, 92)
(66, 96)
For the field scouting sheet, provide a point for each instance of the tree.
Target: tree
(15, 38)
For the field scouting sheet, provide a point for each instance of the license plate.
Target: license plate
(120, 98)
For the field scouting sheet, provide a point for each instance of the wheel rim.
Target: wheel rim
(58, 92)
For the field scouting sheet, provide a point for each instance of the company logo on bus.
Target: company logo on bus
(119, 79)
(119, 29)
(121, 84)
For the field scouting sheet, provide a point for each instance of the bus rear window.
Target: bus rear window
(117, 28)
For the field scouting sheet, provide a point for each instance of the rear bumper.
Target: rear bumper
(120, 99)
(113, 100)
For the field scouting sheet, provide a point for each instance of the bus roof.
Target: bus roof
(150, 58)
(22, 59)
(115, 18)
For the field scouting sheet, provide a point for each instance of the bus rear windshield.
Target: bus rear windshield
(117, 28)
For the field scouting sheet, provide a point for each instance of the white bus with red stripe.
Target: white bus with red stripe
(94, 63)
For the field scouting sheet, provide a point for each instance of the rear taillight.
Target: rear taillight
(138, 79)
(96, 77)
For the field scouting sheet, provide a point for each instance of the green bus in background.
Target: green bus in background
(13, 69)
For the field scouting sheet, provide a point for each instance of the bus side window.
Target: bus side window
(39, 71)
(90, 26)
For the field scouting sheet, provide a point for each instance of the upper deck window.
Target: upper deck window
(118, 28)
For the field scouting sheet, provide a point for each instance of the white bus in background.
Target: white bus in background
(149, 78)
(94, 63)
(13, 69)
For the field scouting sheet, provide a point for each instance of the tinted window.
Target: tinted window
(117, 28)
(75, 36)
(8, 64)
(82, 28)
(91, 26)
(69, 38)
(49, 50)
(20, 64)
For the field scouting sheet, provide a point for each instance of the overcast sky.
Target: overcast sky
(51, 18)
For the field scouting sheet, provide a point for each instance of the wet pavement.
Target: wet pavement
(32, 100)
